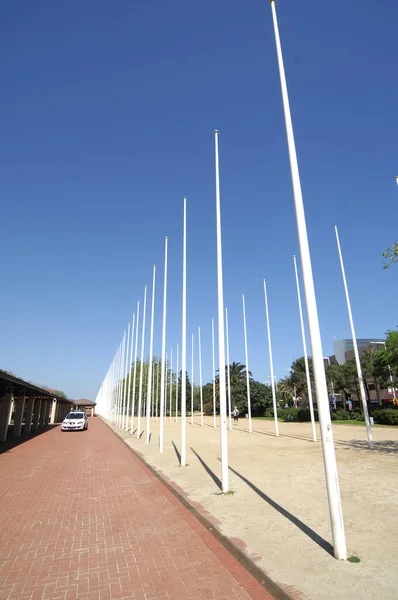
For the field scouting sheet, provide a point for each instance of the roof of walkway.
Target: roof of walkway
(19, 386)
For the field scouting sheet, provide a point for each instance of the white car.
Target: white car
(75, 421)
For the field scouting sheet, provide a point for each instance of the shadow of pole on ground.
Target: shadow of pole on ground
(315, 537)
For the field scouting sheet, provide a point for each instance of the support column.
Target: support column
(5, 415)
(36, 414)
(47, 412)
(54, 407)
(19, 411)
(92, 411)
(30, 403)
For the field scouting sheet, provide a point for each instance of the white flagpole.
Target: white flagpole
(171, 381)
(135, 367)
(184, 344)
(141, 368)
(307, 368)
(130, 370)
(214, 374)
(192, 367)
(157, 388)
(200, 377)
(166, 376)
(329, 455)
(355, 346)
(162, 397)
(221, 333)
(150, 364)
(249, 404)
(229, 370)
(125, 376)
(177, 389)
(121, 370)
(271, 362)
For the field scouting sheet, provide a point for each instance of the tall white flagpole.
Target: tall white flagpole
(221, 333)
(228, 370)
(355, 346)
(307, 368)
(157, 388)
(184, 345)
(171, 382)
(141, 368)
(271, 362)
(214, 374)
(177, 388)
(329, 455)
(166, 381)
(121, 370)
(130, 370)
(249, 404)
(150, 365)
(135, 367)
(125, 376)
(162, 398)
(200, 377)
(192, 367)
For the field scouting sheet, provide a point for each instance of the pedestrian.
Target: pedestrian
(236, 415)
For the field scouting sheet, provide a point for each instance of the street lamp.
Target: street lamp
(396, 179)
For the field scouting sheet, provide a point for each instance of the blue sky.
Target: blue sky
(107, 116)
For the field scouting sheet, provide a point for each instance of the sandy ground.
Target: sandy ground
(279, 505)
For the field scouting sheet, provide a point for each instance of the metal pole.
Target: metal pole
(192, 367)
(228, 371)
(249, 405)
(141, 368)
(135, 367)
(221, 333)
(184, 344)
(356, 352)
(125, 376)
(200, 377)
(162, 397)
(171, 380)
(177, 387)
(307, 368)
(271, 362)
(214, 375)
(329, 456)
(130, 370)
(157, 389)
(150, 365)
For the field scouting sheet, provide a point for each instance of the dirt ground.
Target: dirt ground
(278, 512)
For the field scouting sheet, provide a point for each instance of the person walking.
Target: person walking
(236, 415)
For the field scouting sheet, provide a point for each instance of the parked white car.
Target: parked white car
(75, 421)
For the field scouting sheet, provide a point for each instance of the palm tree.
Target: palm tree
(237, 375)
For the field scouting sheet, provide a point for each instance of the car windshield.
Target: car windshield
(75, 415)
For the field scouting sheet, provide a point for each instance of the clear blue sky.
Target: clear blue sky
(107, 114)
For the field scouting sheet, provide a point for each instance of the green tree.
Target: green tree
(390, 255)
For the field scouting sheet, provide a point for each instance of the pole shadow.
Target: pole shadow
(177, 452)
(214, 477)
(315, 537)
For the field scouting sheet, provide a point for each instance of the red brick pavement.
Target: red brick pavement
(82, 518)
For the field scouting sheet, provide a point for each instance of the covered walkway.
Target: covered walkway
(81, 517)
(26, 408)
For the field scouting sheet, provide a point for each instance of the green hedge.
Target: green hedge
(385, 416)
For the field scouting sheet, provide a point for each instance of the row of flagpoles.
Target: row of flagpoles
(115, 400)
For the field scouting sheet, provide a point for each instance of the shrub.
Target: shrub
(304, 415)
(386, 416)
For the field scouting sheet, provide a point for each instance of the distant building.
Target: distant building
(343, 347)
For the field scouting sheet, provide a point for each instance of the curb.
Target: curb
(265, 582)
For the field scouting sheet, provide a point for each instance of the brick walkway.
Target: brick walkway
(81, 517)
